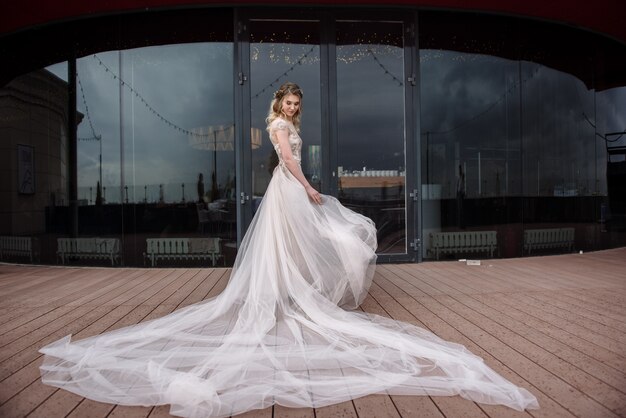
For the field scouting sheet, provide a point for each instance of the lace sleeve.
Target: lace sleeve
(277, 125)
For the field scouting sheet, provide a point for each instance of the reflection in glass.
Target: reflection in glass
(371, 130)
(471, 149)
(559, 164)
(610, 155)
(513, 136)
(283, 51)
(169, 170)
(34, 176)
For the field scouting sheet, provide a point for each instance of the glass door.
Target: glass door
(356, 137)
(278, 50)
(374, 161)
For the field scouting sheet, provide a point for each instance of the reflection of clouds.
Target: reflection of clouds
(476, 103)
(188, 84)
(454, 91)
(476, 95)
(59, 69)
(370, 108)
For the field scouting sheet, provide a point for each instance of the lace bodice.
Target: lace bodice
(294, 139)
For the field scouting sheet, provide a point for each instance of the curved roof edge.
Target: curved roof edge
(607, 17)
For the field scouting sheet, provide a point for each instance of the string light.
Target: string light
(269, 86)
(400, 83)
(93, 131)
(153, 110)
(284, 74)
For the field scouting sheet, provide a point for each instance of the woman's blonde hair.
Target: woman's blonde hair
(277, 104)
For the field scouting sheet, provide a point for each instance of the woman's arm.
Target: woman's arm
(282, 135)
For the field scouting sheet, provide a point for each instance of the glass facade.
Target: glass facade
(281, 51)
(510, 139)
(371, 112)
(516, 134)
(156, 155)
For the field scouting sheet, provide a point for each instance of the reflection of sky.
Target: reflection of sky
(60, 70)
(189, 86)
(370, 103)
(469, 99)
(270, 61)
(471, 103)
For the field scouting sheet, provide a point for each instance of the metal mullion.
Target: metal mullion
(411, 141)
(241, 68)
(417, 129)
(329, 101)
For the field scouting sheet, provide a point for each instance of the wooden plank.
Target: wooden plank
(93, 289)
(21, 327)
(448, 405)
(60, 326)
(93, 409)
(30, 395)
(572, 326)
(407, 406)
(555, 387)
(551, 324)
(558, 327)
(434, 315)
(186, 284)
(604, 394)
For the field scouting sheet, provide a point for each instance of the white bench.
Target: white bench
(539, 239)
(463, 242)
(182, 249)
(17, 247)
(88, 248)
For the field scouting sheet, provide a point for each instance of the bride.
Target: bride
(280, 333)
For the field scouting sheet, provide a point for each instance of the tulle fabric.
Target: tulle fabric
(280, 333)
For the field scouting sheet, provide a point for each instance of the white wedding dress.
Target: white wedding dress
(280, 332)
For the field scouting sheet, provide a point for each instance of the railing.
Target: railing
(460, 242)
(88, 248)
(17, 247)
(536, 239)
(182, 249)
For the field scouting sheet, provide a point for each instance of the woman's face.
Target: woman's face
(291, 105)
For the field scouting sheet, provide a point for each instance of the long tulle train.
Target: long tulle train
(279, 332)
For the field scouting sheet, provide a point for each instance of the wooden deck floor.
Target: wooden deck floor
(554, 325)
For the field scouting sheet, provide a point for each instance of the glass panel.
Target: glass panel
(371, 129)
(559, 159)
(179, 146)
(98, 147)
(610, 156)
(514, 136)
(470, 138)
(169, 172)
(283, 51)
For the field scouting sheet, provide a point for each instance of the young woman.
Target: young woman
(279, 333)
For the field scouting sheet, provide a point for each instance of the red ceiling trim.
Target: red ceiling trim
(607, 17)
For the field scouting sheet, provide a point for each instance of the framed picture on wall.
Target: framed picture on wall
(25, 169)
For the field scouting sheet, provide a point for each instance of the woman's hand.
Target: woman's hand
(313, 195)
